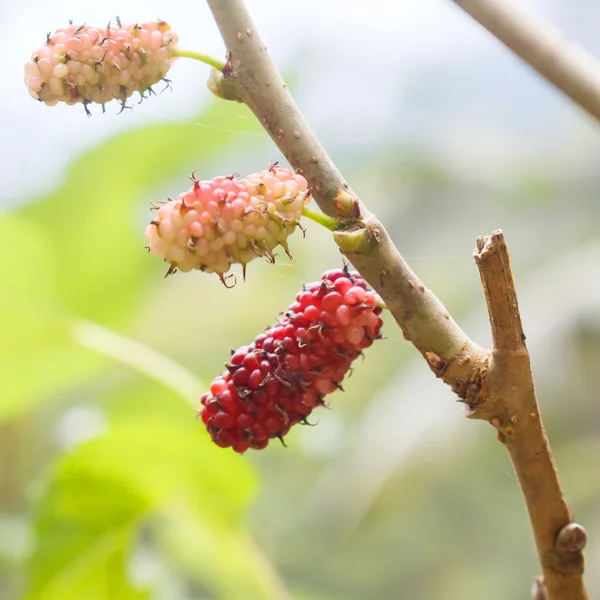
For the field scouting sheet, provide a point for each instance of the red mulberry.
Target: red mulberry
(224, 221)
(286, 372)
(86, 64)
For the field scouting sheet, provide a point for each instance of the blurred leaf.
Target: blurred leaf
(15, 539)
(36, 353)
(79, 251)
(227, 561)
(87, 528)
(93, 218)
(169, 477)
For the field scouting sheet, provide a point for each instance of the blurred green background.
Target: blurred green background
(110, 488)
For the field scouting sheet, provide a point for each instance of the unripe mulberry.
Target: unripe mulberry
(81, 64)
(224, 221)
(286, 372)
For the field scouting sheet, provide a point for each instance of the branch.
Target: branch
(497, 385)
(424, 320)
(566, 65)
(511, 407)
(499, 288)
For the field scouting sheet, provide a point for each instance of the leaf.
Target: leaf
(225, 560)
(36, 353)
(96, 219)
(150, 473)
(87, 529)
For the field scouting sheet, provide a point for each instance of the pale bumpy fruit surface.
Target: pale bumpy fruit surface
(81, 64)
(224, 221)
(286, 372)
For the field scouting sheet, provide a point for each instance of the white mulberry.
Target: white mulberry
(224, 221)
(81, 64)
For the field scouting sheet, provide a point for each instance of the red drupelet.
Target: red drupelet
(286, 372)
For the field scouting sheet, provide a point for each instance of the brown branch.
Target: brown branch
(423, 318)
(500, 293)
(511, 407)
(566, 65)
(498, 385)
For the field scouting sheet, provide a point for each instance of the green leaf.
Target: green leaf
(166, 476)
(36, 353)
(224, 560)
(87, 529)
(96, 219)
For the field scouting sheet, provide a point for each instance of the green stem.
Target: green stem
(322, 219)
(209, 60)
(380, 303)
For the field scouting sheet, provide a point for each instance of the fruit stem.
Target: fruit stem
(380, 303)
(322, 219)
(209, 60)
(354, 240)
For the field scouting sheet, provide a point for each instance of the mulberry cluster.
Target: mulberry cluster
(224, 221)
(81, 64)
(286, 372)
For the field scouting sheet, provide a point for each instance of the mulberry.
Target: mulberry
(286, 372)
(86, 64)
(224, 221)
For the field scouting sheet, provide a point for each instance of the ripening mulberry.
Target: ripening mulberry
(278, 379)
(81, 64)
(224, 221)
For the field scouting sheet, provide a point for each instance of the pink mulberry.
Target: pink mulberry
(86, 64)
(224, 221)
(286, 372)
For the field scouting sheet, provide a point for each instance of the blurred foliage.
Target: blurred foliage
(109, 488)
(35, 346)
(99, 495)
(83, 244)
(94, 229)
(84, 250)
